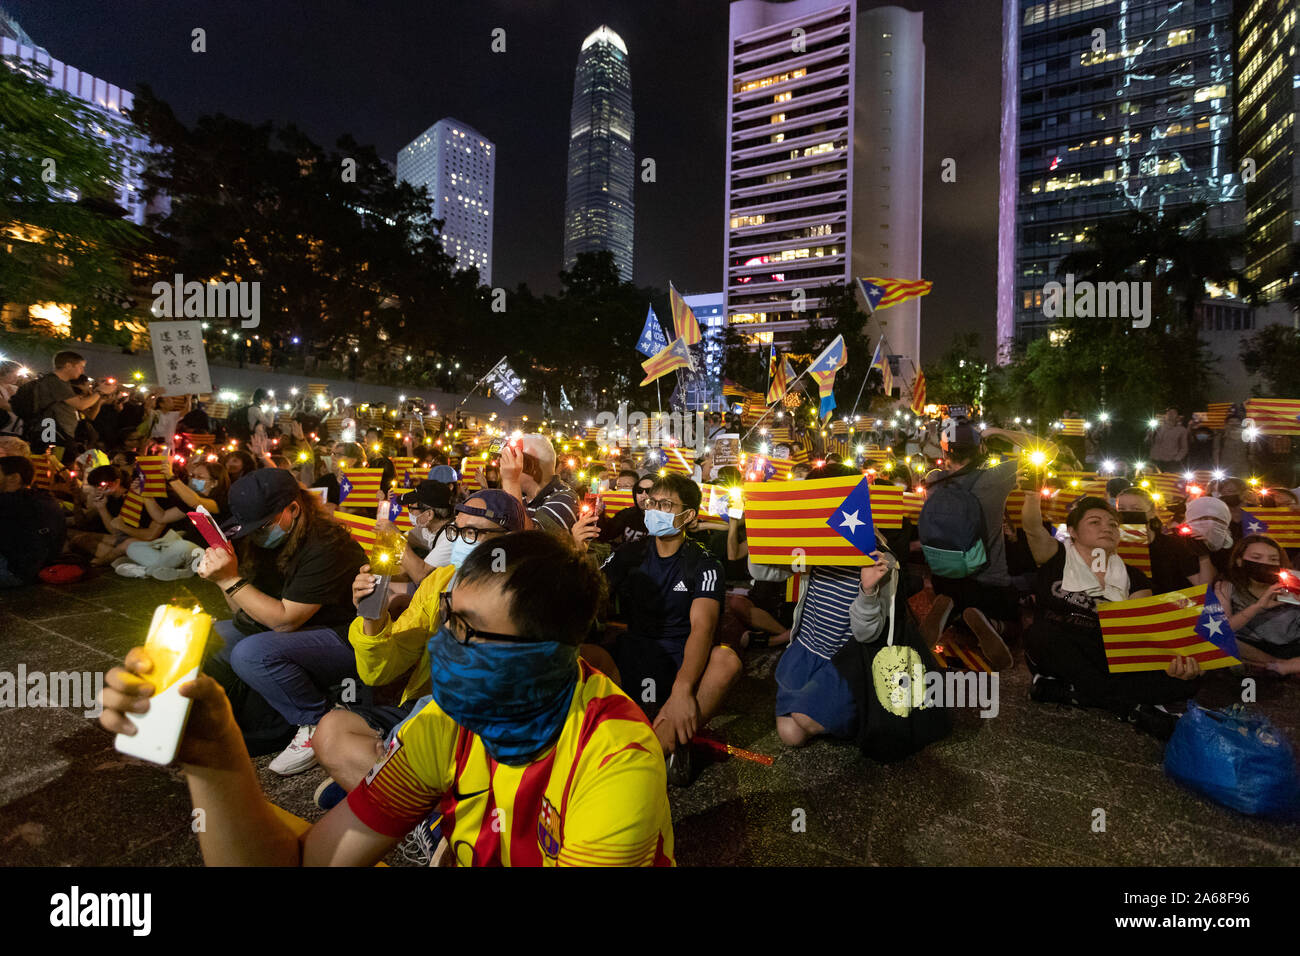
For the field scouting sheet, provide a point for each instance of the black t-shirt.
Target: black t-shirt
(320, 573)
(627, 525)
(1172, 563)
(1072, 610)
(330, 482)
(655, 594)
(34, 530)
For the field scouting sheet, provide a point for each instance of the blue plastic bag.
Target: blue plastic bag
(1240, 761)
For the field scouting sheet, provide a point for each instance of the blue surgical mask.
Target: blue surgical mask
(198, 484)
(460, 551)
(660, 524)
(515, 697)
(272, 536)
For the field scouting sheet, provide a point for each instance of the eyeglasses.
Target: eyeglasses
(662, 504)
(645, 489)
(464, 633)
(470, 535)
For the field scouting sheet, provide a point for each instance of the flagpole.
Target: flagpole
(480, 382)
(787, 391)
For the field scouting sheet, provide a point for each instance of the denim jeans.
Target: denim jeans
(292, 670)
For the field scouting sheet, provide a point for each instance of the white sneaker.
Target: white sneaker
(298, 756)
(129, 570)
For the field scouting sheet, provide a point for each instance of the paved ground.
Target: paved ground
(1019, 789)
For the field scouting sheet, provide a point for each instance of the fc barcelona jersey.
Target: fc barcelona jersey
(597, 798)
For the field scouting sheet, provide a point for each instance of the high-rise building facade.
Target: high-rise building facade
(598, 210)
(1119, 105)
(458, 165)
(825, 116)
(1266, 38)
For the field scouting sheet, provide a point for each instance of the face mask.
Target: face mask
(460, 551)
(514, 696)
(272, 536)
(1202, 437)
(660, 525)
(1260, 572)
(198, 484)
(1232, 501)
(1133, 517)
(327, 461)
(1216, 535)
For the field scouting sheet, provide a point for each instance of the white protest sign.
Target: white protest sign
(179, 359)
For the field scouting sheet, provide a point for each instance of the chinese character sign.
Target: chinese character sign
(179, 358)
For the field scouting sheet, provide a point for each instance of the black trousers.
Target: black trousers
(997, 603)
(1080, 658)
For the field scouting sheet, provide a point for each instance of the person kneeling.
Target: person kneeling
(534, 757)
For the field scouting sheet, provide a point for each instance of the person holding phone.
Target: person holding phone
(1267, 627)
(175, 554)
(629, 523)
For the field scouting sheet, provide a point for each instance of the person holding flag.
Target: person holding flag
(1267, 631)
(1064, 647)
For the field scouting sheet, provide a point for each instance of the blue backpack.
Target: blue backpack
(951, 527)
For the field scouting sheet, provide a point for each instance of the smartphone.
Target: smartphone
(207, 525)
(177, 637)
(591, 502)
(372, 606)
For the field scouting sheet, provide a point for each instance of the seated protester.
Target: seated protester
(107, 498)
(93, 511)
(350, 739)
(13, 445)
(837, 606)
(515, 720)
(33, 521)
(344, 455)
(1232, 491)
(1268, 631)
(430, 508)
(628, 524)
(1175, 562)
(1064, 648)
(291, 591)
(800, 471)
(174, 555)
(1209, 521)
(238, 463)
(552, 505)
(669, 591)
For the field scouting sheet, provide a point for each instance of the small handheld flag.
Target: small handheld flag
(1146, 634)
(1280, 524)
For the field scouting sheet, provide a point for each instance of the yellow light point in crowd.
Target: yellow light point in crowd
(138, 376)
(993, 460)
(1038, 458)
(1253, 481)
(1157, 496)
(1144, 483)
(374, 447)
(1074, 482)
(303, 456)
(889, 466)
(907, 460)
(662, 472)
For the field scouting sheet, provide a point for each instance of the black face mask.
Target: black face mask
(1155, 524)
(1133, 517)
(1259, 572)
(1232, 501)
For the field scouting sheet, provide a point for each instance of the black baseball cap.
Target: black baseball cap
(428, 494)
(258, 497)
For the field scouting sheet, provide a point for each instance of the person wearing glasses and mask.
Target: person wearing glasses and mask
(629, 524)
(349, 739)
(533, 757)
(669, 591)
(289, 583)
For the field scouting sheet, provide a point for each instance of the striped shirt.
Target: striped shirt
(824, 622)
(555, 508)
(599, 797)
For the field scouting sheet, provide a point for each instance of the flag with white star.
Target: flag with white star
(1280, 524)
(803, 523)
(1146, 634)
(852, 519)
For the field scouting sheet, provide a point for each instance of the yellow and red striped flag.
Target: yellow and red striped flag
(685, 325)
(790, 520)
(155, 482)
(616, 501)
(779, 376)
(754, 409)
(673, 356)
(780, 435)
(196, 440)
(1280, 524)
(918, 393)
(1133, 547)
(1216, 413)
(361, 527)
(882, 293)
(1275, 416)
(403, 465)
(1072, 427)
(1161, 483)
(473, 474)
(44, 471)
(132, 508)
(1147, 633)
(679, 461)
(361, 485)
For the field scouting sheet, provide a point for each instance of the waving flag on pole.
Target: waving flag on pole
(1147, 633)
(685, 325)
(777, 380)
(674, 356)
(823, 369)
(918, 393)
(652, 340)
(882, 293)
(879, 361)
(503, 378)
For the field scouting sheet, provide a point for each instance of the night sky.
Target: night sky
(386, 70)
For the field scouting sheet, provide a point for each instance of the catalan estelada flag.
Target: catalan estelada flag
(1147, 633)
(361, 527)
(685, 325)
(1275, 416)
(616, 501)
(882, 293)
(1074, 427)
(1280, 524)
(679, 461)
(790, 520)
(403, 465)
(132, 509)
(155, 482)
(361, 485)
(918, 393)
(676, 355)
(1216, 413)
(777, 380)
(880, 362)
(754, 409)
(737, 393)
(833, 358)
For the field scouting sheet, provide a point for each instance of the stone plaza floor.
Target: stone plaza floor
(1018, 789)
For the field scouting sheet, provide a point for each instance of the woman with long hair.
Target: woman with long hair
(1267, 625)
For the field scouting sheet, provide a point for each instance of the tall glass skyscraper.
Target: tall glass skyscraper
(598, 212)
(1120, 105)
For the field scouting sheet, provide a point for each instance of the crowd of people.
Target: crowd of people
(527, 679)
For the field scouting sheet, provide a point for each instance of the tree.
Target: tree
(67, 240)
(960, 376)
(1274, 353)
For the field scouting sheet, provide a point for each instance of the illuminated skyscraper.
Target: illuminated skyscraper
(1117, 105)
(825, 115)
(458, 165)
(598, 213)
